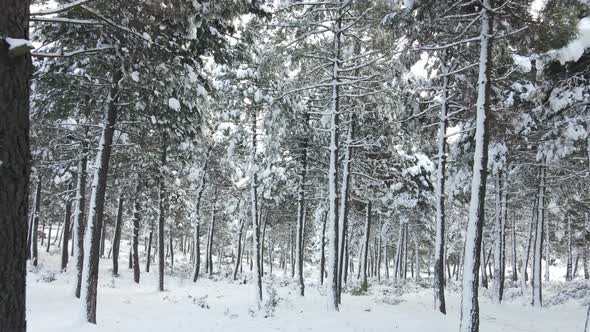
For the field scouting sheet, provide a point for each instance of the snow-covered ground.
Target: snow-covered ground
(220, 304)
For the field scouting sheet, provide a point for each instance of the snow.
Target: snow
(174, 104)
(135, 76)
(574, 50)
(17, 43)
(224, 305)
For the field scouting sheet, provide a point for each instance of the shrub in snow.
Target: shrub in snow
(271, 300)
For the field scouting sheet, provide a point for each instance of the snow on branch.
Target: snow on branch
(61, 54)
(60, 9)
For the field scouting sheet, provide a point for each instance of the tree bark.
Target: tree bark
(15, 167)
(35, 240)
(117, 236)
(343, 212)
(323, 250)
(364, 282)
(469, 301)
(239, 253)
(536, 282)
(66, 232)
(149, 248)
(96, 210)
(79, 224)
(136, 220)
(254, 214)
(161, 219)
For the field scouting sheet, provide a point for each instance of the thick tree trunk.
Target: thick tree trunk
(161, 220)
(538, 253)
(15, 167)
(66, 232)
(96, 210)
(117, 236)
(469, 300)
(79, 224)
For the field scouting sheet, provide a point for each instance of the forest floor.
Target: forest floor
(220, 304)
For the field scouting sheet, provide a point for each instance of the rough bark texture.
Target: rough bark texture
(96, 210)
(15, 167)
(469, 300)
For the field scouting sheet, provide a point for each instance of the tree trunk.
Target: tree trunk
(343, 212)
(35, 240)
(239, 254)
(96, 210)
(136, 220)
(569, 275)
(66, 232)
(484, 275)
(254, 215)
(79, 224)
(536, 282)
(161, 219)
(470, 303)
(364, 282)
(323, 250)
(15, 167)
(117, 236)
(498, 280)
(49, 238)
(149, 248)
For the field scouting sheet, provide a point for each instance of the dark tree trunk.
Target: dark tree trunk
(171, 245)
(49, 238)
(136, 220)
(197, 253)
(239, 254)
(102, 239)
(96, 210)
(15, 167)
(117, 237)
(161, 220)
(66, 233)
(301, 206)
(79, 215)
(364, 283)
(35, 240)
(149, 248)
(323, 250)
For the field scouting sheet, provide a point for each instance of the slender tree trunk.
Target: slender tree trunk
(102, 239)
(301, 207)
(343, 212)
(484, 275)
(79, 224)
(536, 282)
(514, 260)
(209, 255)
(323, 250)
(15, 166)
(66, 230)
(569, 275)
(497, 281)
(161, 219)
(439, 246)
(364, 282)
(469, 301)
(136, 220)
(149, 248)
(524, 273)
(254, 215)
(117, 236)
(171, 244)
(35, 240)
(239, 254)
(96, 210)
